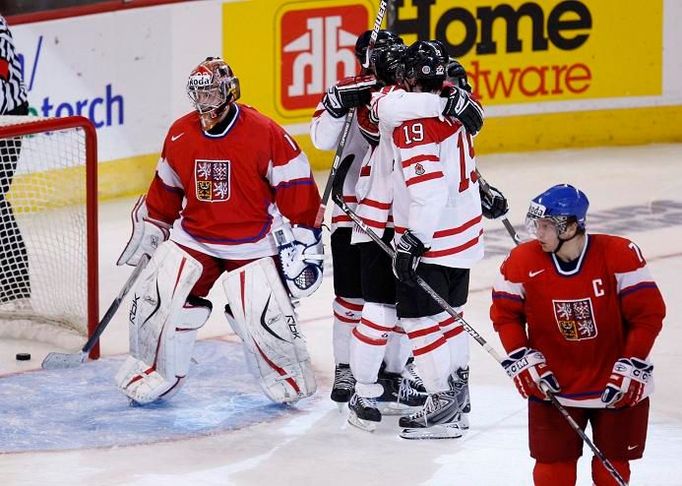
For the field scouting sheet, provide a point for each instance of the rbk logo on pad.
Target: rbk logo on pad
(317, 49)
(212, 180)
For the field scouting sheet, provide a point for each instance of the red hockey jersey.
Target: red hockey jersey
(584, 320)
(224, 193)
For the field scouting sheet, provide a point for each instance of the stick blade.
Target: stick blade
(57, 361)
(340, 177)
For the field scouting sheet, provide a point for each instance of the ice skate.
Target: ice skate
(459, 383)
(344, 384)
(364, 413)
(399, 397)
(439, 418)
(410, 373)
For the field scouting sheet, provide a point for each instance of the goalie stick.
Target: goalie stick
(349, 120)
(56, 360)
(337, 195)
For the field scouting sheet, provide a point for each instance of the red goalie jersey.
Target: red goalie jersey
(583, 320)
(223, 193)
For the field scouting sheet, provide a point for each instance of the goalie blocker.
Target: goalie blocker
(260, 313)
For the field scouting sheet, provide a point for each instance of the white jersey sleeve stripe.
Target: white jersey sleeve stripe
(628, 280)
(167, 175)
(297, 168)
(503, 286)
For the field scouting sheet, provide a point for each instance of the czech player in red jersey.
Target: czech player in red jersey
(232, 193)
(578, 314)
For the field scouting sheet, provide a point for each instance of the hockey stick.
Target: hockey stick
(574, 425)
(57, 360)
(510, 228)
(348, 121)
(338, 199)
(337, 195)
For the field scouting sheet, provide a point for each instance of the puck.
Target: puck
(23, 356)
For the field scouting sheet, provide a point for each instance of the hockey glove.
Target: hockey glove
(627, 382)
(348, 93)
(148, 234)
(457, 75)
(301, 255)
(464, 108)
(406, 258)
(528, 368)
(493, 204)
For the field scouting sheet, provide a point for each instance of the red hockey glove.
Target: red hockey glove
(528, 368)
(626, 384)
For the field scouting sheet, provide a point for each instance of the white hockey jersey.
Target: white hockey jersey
(435, 189)
(374, 190)
(325, 131)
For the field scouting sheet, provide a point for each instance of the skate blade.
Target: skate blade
(361, 424)
(463, 421)
(433, 432)
(395, 408)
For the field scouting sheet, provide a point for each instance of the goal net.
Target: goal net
(48, 229)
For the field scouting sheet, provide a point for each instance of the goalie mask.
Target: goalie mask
(212, 87)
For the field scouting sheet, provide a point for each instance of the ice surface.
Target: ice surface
(202, 437)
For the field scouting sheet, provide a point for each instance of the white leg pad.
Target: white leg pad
(163, 326)
(263, 317)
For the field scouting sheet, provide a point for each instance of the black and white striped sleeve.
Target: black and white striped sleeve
(12, 89)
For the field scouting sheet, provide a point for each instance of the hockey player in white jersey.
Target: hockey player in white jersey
(326, 128)
(380, 386)
(437, 213)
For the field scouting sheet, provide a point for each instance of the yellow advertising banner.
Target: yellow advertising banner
(516, 52)
(523, 51)
(293, 51)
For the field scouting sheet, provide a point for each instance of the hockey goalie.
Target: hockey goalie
(232, 193)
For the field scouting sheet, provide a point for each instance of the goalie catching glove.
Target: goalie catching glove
(301, 256)
(148, 234)
(528, 368)
(348, 93)
(627, 383)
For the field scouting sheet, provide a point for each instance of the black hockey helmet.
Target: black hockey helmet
(388, 62)
(424, 63)
(385, 38)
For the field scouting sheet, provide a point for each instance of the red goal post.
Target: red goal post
(49, 288)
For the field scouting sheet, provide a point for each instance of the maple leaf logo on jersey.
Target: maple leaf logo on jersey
(575, 319)
(212, 179)
(419, 169)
